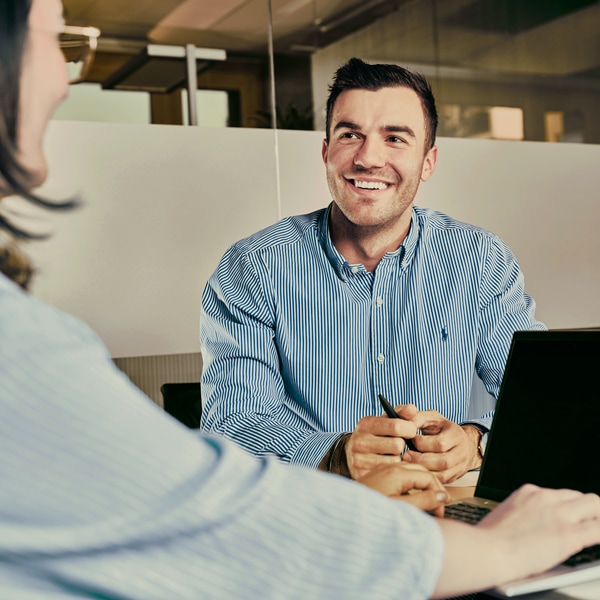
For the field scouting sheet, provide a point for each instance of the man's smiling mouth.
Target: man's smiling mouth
(369, 185)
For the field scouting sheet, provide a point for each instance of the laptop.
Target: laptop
(547, 418)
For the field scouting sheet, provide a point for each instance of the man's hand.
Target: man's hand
(447, 449)
(379, 441)
(409, 483)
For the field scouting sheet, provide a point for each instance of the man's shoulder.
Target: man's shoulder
(436, 221)
(288, 231)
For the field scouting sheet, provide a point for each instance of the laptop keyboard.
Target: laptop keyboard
(587, 555)
(468, 513)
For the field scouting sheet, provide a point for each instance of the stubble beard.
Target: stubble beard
(369, 218)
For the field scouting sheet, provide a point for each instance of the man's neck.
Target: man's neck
(366, 245)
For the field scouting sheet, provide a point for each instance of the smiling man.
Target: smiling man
(376, 155)
(306, 323)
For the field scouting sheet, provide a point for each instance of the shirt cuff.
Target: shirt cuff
(314, 447)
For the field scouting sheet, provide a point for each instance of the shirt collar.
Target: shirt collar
(402, 256)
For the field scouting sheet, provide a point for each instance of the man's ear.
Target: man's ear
(324, 151)
(429, 163)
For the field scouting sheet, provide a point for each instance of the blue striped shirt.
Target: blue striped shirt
(297, 343)
(104, 496)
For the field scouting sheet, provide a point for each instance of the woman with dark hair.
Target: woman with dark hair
(103, 496)
(22, 120)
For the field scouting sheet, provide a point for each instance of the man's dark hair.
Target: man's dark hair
(358, 75)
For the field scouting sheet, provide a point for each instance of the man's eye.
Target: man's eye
(395, 139)
(348, 135)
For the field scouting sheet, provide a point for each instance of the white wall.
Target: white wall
(163, 203)
(543, 200)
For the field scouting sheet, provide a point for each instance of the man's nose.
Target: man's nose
(370, 154)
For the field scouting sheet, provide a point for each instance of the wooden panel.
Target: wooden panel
(166, 109)
(247, 78)
(149, 372)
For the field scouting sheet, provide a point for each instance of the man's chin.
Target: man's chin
(364, 214)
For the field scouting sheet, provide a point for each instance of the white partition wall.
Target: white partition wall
(161, 205)
(543, 200)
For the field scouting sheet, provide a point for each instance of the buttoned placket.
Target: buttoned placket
(384, 296)
(380, 329)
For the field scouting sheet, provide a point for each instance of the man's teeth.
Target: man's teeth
(370, 185)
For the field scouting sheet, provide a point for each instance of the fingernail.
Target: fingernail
(441, 496)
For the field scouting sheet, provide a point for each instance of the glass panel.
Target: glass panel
(132, 34)
(483, 122)
(532, 57)
(212, 108)
(88, 102)
(554, 122)
(538, 56)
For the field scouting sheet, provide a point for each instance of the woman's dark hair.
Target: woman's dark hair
(14, 178)
(358, 75)
(13, 35)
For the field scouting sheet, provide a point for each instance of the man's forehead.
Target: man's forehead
(394, 105)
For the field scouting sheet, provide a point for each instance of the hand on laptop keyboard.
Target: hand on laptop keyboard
(544, 526)
(532, 531)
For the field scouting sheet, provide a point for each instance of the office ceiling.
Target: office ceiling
(557, 37)
(235, 25)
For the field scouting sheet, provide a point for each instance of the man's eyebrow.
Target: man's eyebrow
(400, 129)
(388, 128)
(345, 125)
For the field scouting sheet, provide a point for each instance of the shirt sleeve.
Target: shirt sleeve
(105, 496)
(244, 396)
(504, 308)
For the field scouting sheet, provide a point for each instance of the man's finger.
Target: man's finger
(402, 479)
(428, 501)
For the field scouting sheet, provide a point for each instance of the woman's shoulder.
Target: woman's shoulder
(27, 321)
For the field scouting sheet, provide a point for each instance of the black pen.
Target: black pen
(392, 414)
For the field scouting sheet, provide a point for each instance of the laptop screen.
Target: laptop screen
(546, 429)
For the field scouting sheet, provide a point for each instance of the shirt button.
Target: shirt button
(403, 264)
(380, 358)
(354, 269)
(379, 300)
